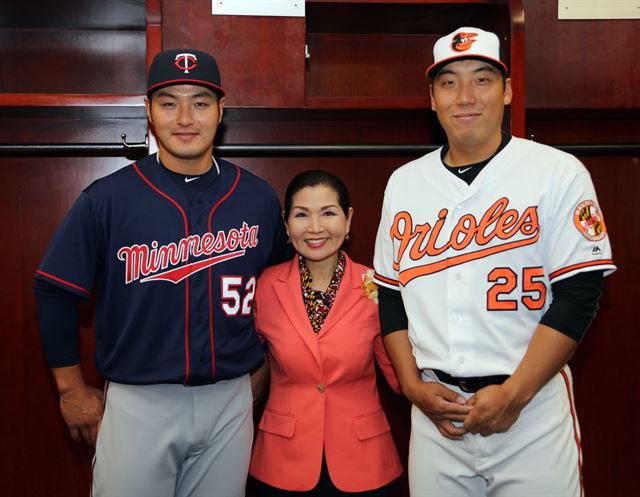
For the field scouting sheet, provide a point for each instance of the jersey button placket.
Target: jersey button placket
(459, 291)
(199, 332)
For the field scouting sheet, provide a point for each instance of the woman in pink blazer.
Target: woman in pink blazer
(323, 431)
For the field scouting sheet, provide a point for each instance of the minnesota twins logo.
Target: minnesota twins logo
(589, 221)
(186, 62)
(462, 41)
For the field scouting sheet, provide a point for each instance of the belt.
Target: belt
(472, 383)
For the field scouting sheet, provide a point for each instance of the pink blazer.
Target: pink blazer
(323, 389)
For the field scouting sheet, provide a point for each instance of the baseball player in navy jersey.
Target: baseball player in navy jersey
(490, 255)
(172, 245)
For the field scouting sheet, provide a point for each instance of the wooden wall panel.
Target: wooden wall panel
(584, 126)
(71, 61)
(74, 14)
(341, 65)
(52, 48)
(605, 380)
(39, 456)
(12, 380)
(19, 125)
(261, 63)
(580, 64)
(329, 126)
(77, 46)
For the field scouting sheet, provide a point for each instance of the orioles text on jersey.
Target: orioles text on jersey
(497, 222)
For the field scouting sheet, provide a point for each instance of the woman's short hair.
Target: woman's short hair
(316, 177)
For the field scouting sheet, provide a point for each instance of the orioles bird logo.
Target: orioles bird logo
(462, 41)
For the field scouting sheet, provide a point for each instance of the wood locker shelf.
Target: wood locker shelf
(373, 54)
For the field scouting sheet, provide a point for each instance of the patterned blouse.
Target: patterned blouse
(319, 303)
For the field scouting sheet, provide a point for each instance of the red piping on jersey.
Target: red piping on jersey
(63, 281)
(575, 428)
(385, 280)
(213, 209)
(573, 267)
(186, 234)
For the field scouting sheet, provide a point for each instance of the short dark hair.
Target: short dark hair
(316, 177)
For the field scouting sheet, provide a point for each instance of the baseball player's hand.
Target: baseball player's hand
(82, 410)
(441, 406)
(494, 410)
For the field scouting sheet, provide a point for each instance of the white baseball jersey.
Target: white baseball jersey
(475, 263)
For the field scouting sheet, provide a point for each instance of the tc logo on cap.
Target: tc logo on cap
(186, 61)
(462, 41)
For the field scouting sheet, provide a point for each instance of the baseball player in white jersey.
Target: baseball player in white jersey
(490, 256)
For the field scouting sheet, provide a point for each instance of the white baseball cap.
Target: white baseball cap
(466, 43)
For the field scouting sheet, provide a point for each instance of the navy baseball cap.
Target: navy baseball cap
(184, 66)
(466, 43)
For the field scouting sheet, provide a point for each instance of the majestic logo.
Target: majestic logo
(425, 240)
(149, 263)
(589, 221)
(186, 62)
(462, 41)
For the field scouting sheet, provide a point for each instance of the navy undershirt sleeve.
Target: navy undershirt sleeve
(575, 304)
(58, 319)
(393, 316)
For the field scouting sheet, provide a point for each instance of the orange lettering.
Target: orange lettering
(497, 221)
(405, 236)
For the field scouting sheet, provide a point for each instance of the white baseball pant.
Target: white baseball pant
(174, 441)
(539, 456)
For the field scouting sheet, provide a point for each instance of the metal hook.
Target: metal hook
(136, 145)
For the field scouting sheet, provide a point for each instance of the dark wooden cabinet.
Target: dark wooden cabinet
(261, 59)
(343, 55)
(78, 77)
(374, 54)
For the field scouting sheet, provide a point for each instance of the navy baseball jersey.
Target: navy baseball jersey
(175, 280)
